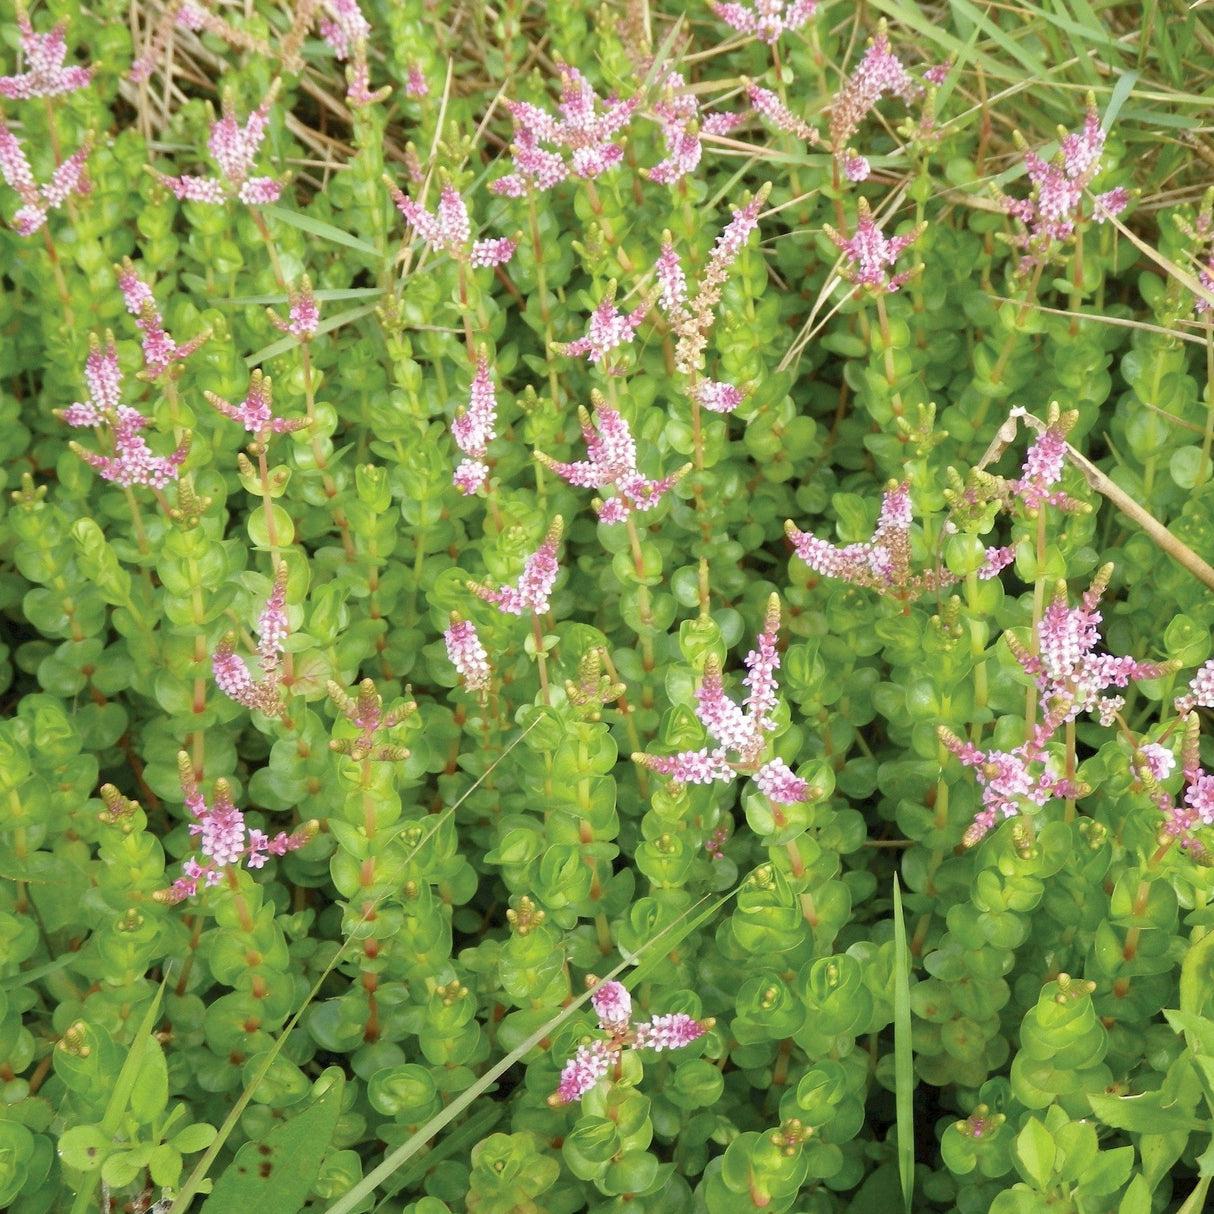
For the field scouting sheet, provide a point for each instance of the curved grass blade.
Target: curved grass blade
(322, 230)
(904, 1061)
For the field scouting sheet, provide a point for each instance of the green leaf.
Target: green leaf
(1197, 976)
(278, 1172)
(1035, 1150)
(1144, 1114)
(1137, 1199)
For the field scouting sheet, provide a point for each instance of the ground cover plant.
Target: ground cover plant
(606, 607)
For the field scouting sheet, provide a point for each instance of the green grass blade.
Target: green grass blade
(1121, 92)
(904, 1061)
(120, 1097)
(667, 938)
(274, 349)
(322, 230)
(278, 299)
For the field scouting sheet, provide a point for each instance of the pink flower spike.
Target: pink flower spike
(416, 84)
(880, 72)
(769, 106)
(535, 585)
(449, 229)
(766, 19)
(303, 314)
(717, 397)
(232, 676)
(102, 375)
(608, 329)
(495, 252)
(132, 461)
(272, 625)
(690, 766)
(1054, 206)
(1157, 759)
(234, 150)
(69, 178)
(612, 462)
(613, 1004)
(45, 74)
(474, 428)
(343, 26)
(160, 351)
(467, 654)
(670, 1032)
(997, 560)
(780, 785)
(255, 412)
(856, 168)
(868, 255)
(1201, 690)
(582, 131)
(1069, 673)
(671, 279)
(582, 1072)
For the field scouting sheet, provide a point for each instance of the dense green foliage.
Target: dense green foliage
(890, 991)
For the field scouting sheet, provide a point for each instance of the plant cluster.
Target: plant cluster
(571, 642)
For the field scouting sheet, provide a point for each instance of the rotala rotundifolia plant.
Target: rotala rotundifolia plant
(606, 608)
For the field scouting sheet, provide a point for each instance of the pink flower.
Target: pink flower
(232, 676)
(45, 74)
(1043, 466)
(867, 254)
(474, 428)
(882, 563)
(780, 785)
(670, 1032)
(742, 729)
(613, 1004)
(535, 585)
(1009, 779)
(671, 279)
(769, 106)
(608, 329)
(583, 1071)
(71, 177)
(449, 230)
(160, 351)
(612, 462)
(343, 26)
(1201, 690)
(416, 84)
(766, 19)
(132, 461)
(678, 112)
(303, 314)
(234, 150)
(255, 412)
(880, 72)
(581, 131)
(467, 654)
(223, 836)
(1158, 760)
(694, 320)
(716, 396)
(1051, 211)
(1070, 674)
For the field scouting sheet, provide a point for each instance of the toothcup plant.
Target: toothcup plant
(605, 612)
